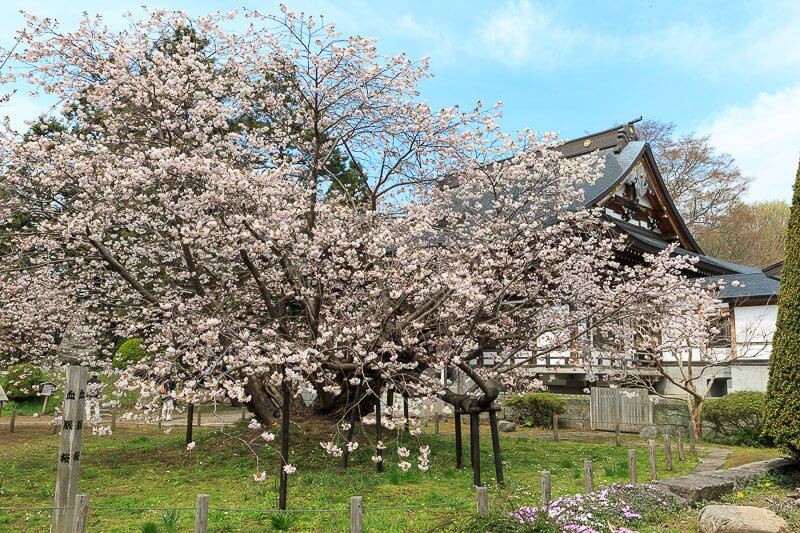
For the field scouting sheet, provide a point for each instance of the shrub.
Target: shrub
(129, 353)
(537, 408)
(22, 382)
(737, 416)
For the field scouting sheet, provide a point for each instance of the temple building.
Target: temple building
(635, 198)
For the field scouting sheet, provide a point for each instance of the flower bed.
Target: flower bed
(618, 508)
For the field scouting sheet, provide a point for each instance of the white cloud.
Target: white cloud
(764, 137)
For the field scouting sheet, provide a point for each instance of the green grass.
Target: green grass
(141, 467)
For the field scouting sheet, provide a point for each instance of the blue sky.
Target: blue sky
(727, 69)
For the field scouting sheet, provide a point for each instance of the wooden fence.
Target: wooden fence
(631, 409)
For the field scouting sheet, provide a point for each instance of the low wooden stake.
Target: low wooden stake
(201, 514)
(668, 451)
(483, 501)
(681, 452)
(633, 470)
(691, 441)
(436, 419)
(555, 428)
(199, 421)
(356, 514)
(588, 476)
(617, 437)
(546, 491)
(651, 458)
(13, 420)
(113, 419)
(81, 513)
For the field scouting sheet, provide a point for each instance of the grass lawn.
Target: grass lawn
(141, 467)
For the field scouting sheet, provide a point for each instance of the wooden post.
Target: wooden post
(285, 404)
(436, 419)
(668, 451)
(244, 413)
(651, 458)
(113, 419)
(201, 514)
(356, 514)
(555, 428)
(459, 442)
(617, 436)
(13, 420)
(681, 453)
(54, 427)
(378, 428)
(81, 513)
(588, 476)
(405, 413)
(354, 409)
(546, 492)
(498, 463)
(199, 422)
(475, 447)
(483, 501)
(633, 470)
(691, 440)
(158, 422)
(189, 422)
(69, 450)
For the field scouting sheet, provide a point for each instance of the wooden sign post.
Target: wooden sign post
(46, 390)
(69, 450)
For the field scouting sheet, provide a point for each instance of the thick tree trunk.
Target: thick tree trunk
(695, 417)
(265, 398)
(337, 405)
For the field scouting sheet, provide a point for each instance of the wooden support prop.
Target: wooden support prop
(390, 400)
(199, 419)
(633, 469)
(436, 420)
(546, 490)
(681, 452)
(459, 440)
(588, 476)
(691, 441)
(113, 419)
(81, 513)
(69, 450)
(189, 422)
(475, 447)
(158, 422)
(378, 428)
(668, 451)
(356, 514)
(244, 413)
(405, 413)
(555, 428)
(12, 420)
(483, 501)
(354, 409)
(201, 514)
(286, 402)
(498, 462)
(617, 436)
(651, 458)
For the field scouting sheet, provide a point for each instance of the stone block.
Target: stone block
(740, 519)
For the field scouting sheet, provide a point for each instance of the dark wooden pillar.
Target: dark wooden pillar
(405, 411)
(498, 463)
(285, 404)
(378, 452)
(459, 447)
(354, 409)
(189, 421)
(475, 447)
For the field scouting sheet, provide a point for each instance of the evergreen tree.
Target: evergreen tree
(782, 416)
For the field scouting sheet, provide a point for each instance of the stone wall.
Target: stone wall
(668, 415)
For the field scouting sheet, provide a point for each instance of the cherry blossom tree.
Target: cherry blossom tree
(185, 201)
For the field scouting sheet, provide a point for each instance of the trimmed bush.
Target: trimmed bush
(782, 412)
(22, 382)
(736, 416)
(129, 353)
(537, 408)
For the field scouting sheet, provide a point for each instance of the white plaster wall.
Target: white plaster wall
(750, 377)
(755, 326)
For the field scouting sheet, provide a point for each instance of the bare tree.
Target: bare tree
(704, 183)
